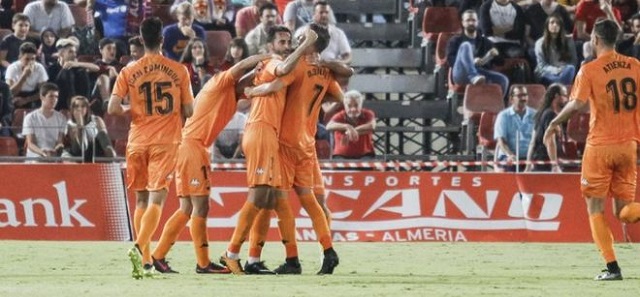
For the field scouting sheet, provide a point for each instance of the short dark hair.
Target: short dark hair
(105, 41)
(271, 35)
(47, 87)
(267, 6)
(135, 40)
(607, 30)
(20, 17)
(635, 16)
(28, 48)
(323, 36)
(151, 32)
(320, 3)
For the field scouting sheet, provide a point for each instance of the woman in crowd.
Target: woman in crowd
(86, 135)
(237, 51)
(555, 54)
(554, 100)
(196, 59)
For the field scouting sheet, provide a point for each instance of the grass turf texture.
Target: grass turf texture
(42, 268)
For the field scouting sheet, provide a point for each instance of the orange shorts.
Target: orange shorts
(318, 182)
(150, 167)
(192, 169)
(260, 146)
(297, 167)
(609, 169)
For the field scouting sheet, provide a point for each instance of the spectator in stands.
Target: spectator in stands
(10, 45)
(44, 127)
(300, 12)
(177, 36)
(136, 48)
(196, 59)
(48, 53)
(105, 77)
(227, 145)
(631, 46)
(6, 14)
(236, 52)
(588, 11)
(627, 9)
(218, 18)
(52, 14)
(110, 21)
(25, 76)
(6, 109)
(471, 55)
(86, 134)
(248, 17)
(70, 73)
(569, 5)
(504, 23)
(538, 12)
(256, 39)
(353, 129)
(555, 54)
(554, 99)
(513, 129)
(338, 49)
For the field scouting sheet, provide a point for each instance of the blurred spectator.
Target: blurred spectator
(10, 45)
(338, 49)
(554, 99)
(353, 129)
(44, 127)
(538, 13)
(555, 54)
(6, 109)
(300, 12)
(513, 129)
(136, 48)
(48, 53)
(504, 22)
(70, 73)
(257, 38)
(627, 9)
(196, 59)
(86, 135)
(52, 14)
(227, 145)
(110, 20)
(214, 16)
(249, 17)
(105, 77)
(25, 76)
(471, 55)
(237, 51)
(6, 14)
(282, 4)
(588, 11)
(630, 46)
(569, 5)
(177, 36)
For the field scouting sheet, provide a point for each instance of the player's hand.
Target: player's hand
(310, 36)
(69, 65)
(188, 31)
(351, 133)
(248, 92)
(28, 69)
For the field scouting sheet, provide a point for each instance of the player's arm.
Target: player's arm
(116, 107)
(369, 126)
(238, 70)
(569, 110)
(338, 68)
(290, 62)
(263, 89)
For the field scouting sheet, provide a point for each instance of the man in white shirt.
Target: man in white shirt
(24, 76)
(257, 37)
(339, 49)
(49, 13)
(300, 12)
(44, 127)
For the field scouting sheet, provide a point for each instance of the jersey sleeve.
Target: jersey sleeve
(581, 89)
(121, 88)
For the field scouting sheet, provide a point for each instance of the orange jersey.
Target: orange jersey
(214, 107)
(304, 98)
(269, 108)
(610, 83)
(157, 88)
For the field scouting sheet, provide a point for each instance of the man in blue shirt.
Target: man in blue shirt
(178, 35)
(513, 129)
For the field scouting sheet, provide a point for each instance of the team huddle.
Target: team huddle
(286, 89)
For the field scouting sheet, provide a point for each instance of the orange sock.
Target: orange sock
(245, 220)
(200, 240)
(318, 219)
(259, 232)
(630, 213)
(150, 221)
(602, 236)
(287, 227)
(170, 232)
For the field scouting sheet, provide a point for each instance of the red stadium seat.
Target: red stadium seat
(217, 43)
(577, 130)
(121, 147)
(439, 19)
(485, 134)
(441, 48)
(479, 99)
(117, 126)
(18, 118)
(8, 146)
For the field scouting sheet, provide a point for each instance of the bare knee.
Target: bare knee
(200, 206)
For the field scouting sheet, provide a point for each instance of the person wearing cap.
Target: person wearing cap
(25, 76)
(70, 73)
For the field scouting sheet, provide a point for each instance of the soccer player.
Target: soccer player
(260, 146)
(215, 105)
(160, 96)
(609, 84)
(297, 147)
